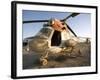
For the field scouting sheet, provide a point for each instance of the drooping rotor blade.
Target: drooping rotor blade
(71, 30)
(72, 15)
(35, 21)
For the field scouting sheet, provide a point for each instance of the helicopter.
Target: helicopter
(54, 38)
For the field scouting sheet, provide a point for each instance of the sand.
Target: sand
(79, 57)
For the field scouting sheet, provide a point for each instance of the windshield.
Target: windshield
(45, 32)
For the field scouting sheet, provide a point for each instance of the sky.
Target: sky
(81, 24)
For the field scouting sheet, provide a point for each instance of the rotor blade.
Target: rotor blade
(75, 14)
(71, 30)
(35, 21)
(72, 15)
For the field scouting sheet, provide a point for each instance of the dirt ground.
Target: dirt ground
(80, 56)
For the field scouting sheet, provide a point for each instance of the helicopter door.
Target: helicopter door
(56, 38)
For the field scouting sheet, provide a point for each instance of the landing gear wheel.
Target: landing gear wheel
(44, 61)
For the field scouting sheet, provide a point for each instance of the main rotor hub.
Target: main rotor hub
(57, 25)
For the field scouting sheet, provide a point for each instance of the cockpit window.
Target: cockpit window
(46, 32)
